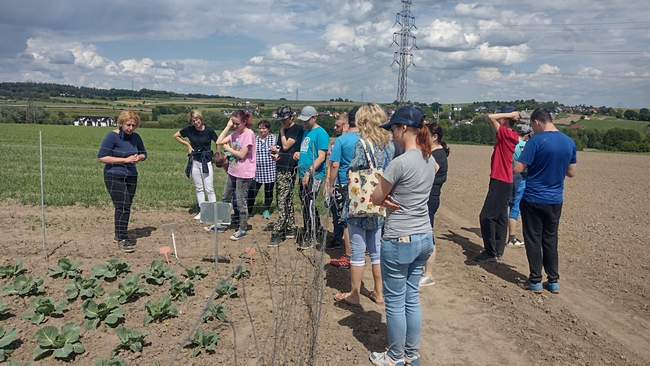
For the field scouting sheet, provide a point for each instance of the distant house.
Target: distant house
(94, 121)
(480, 109)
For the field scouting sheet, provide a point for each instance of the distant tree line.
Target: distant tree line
(44, 91)
(614, 139)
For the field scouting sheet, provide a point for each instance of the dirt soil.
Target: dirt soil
(474, 315)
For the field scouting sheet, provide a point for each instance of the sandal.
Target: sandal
(373, 296)
(342, 298)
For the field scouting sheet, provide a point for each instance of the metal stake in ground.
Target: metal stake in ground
(171, 227)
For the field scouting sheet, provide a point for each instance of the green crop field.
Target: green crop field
(610, 122)
(606, 123)
(72, 174)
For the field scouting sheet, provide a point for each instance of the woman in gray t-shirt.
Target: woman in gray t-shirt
(407, 242)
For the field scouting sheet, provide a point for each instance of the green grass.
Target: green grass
(605, 123)
(72, 174)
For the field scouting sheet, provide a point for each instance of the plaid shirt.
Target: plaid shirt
(265, 172)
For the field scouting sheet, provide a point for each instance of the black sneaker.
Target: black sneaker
(275, 241)
(485, 257)
(304, 241)
(126, 245)
(334, 244)
(290, 234)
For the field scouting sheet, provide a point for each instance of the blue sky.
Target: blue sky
(572, 51)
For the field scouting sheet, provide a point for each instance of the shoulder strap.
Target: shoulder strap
(368, 156)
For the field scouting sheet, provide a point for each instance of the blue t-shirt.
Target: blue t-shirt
(312, 141)
(547, 155)
(121, 145)
(342, 154)
(518, 149)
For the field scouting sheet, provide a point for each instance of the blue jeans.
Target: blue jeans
(402, 264)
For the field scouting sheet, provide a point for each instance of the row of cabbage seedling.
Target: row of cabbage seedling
(66, 344)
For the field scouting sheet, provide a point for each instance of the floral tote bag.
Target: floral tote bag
(361, 184)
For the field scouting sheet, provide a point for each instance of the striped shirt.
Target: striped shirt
(265, 172)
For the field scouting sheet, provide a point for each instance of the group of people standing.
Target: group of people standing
(527, 172)
(413, 158)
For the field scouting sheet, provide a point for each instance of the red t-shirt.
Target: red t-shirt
(504, 149)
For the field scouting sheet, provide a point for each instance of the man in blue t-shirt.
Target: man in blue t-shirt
(311, 171)
(549, 156)
(342, 152)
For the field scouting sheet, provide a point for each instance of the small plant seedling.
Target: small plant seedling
(158, 273)
(6, 338)
(67, 268)
(217, 311)
(11, 271)
(110, 270)
(202, 340)
(240, 272)
(159, 310)
(226, 288)
(62, 346)
(180, 290)
(84, 287)
(43, 308)
(129, 289)
(4, 308)
(107, 311)
(24, 286)
(130, 339)
(117, 361)
(195, 273)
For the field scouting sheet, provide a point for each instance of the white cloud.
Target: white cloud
(333, 46)
(547, 69)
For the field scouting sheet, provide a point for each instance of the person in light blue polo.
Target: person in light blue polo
(311, 172)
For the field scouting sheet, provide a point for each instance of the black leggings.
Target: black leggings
(121, 188)
(252, 193)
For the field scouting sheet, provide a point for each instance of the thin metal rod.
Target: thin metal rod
(40, 144)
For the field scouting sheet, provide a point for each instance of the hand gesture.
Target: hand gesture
(132, 159)
(390, 204)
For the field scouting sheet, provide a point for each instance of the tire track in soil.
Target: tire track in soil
(589, 329)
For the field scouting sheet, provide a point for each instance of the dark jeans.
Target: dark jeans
(433, 208)
(310, 216)
(494, 217)
(252, 193)
(336, 207)
(539, 224)
(121, 188)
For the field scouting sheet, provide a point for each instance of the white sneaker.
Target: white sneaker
(198, 216)
(238, 235)
(516, 243)
(427, 281)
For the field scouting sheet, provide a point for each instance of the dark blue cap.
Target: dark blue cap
(507, 109)
(409, 115)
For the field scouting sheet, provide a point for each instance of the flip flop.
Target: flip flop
(340, 297)
(372, 296)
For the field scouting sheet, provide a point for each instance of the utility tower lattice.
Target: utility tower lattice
(30, 113)
(404, 57)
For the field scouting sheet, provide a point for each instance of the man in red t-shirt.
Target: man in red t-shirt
(494, 214)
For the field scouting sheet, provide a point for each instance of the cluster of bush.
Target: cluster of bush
(614, 139)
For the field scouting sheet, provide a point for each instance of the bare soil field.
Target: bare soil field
(476, 314)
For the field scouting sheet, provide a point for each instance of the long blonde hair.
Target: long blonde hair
(368, 119)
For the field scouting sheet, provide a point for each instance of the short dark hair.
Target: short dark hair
(541, 115)
(264, 123)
